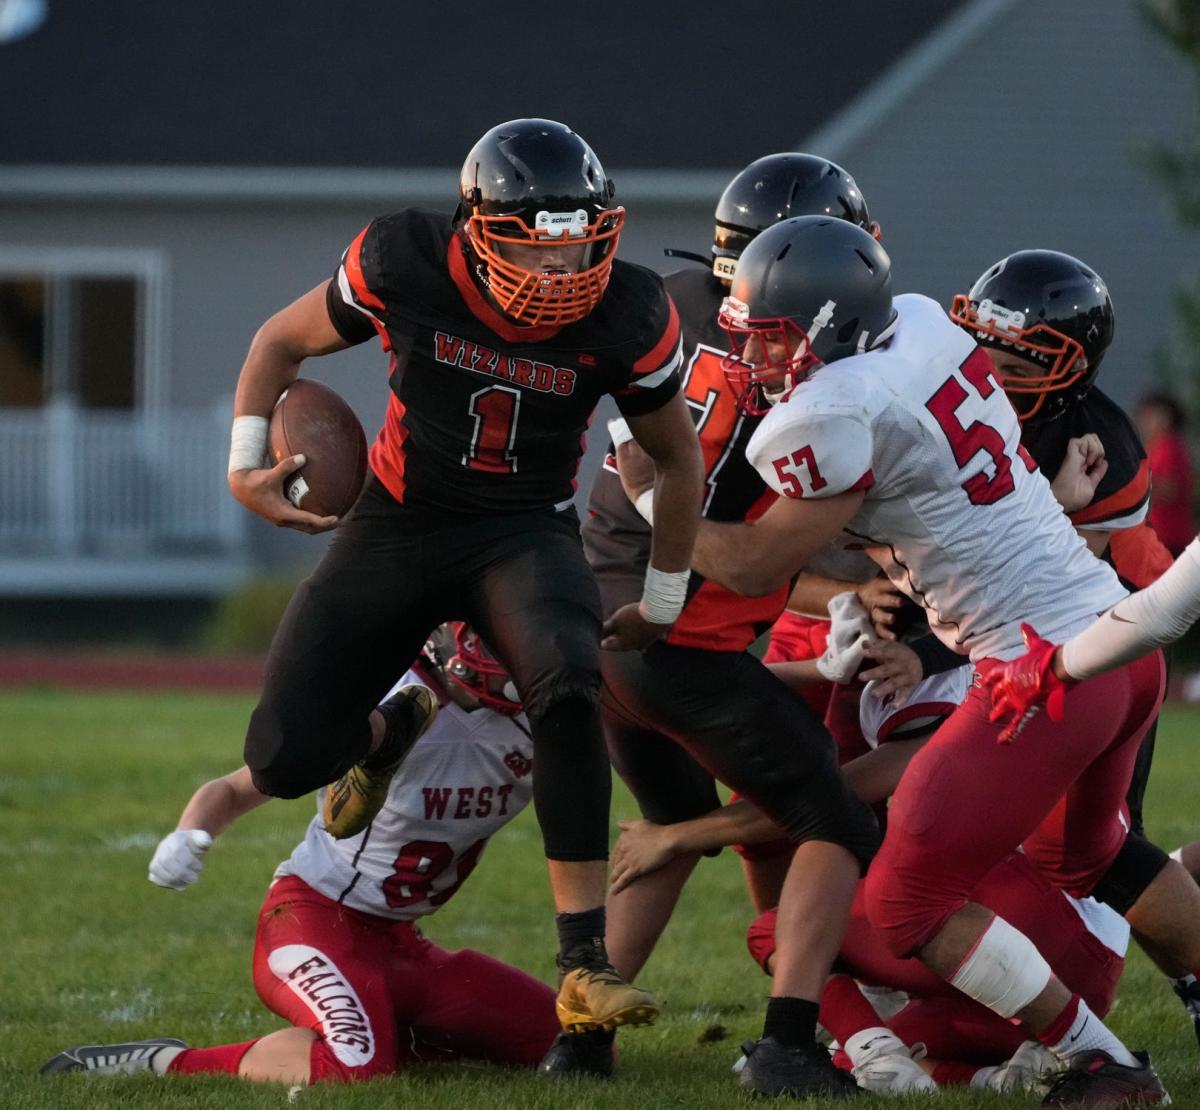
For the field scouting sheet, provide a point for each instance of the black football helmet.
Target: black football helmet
(1046, 307)
(456, 652)
(535, 182)
(778, 187)
(807, 291)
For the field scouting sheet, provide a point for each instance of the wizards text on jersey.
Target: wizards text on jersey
(539, 376)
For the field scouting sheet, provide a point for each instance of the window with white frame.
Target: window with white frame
(82, 326)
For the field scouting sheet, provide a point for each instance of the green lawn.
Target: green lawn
(89, 782)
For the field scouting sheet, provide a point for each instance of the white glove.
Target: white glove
(179, 857)
(850, 628)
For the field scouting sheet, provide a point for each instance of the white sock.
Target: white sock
(866, 1043)
(1088, 1032)
(162, 1059)
(980, 1079)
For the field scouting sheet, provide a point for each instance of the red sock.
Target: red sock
(951, 1073)
(221, 1059)
(844, 1010)
(1060, 1026)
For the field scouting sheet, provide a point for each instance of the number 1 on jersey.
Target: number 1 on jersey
(495, 410)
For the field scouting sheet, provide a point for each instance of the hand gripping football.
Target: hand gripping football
(310, 419)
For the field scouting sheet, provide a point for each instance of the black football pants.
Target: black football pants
(359, 620)
(673, 713)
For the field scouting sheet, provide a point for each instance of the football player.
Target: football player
(337, 951)
(697, 704)
(504, 324)
(887, 424)
(1046, 320)
(1084, 941)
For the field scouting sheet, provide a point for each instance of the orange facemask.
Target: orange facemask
(538, 298)
(1061, 356)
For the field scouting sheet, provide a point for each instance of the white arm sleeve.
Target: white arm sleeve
(1141, 622)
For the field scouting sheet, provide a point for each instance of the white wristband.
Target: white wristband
(248, 443)
(619, 430)
(645, 505)
(663, 595)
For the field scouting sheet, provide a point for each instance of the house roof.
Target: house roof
(259, 83)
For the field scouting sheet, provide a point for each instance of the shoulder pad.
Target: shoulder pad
(801, 453)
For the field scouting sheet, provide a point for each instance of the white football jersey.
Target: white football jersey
(466, 778)
(956, 513)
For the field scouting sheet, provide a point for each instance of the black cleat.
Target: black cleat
(802, 1071)
(1188, 992)
(1096, 1079)
(112, 1059)
(589, 1054)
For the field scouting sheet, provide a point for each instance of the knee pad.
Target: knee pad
(289, 761)
(562, 692)
(1003, 971)
(1137, 865)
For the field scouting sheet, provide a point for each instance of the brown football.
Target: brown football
(310, 419)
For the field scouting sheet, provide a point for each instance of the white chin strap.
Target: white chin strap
(774, 396)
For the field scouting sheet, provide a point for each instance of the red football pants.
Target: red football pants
(381, 997)
(965, 802)
(953, 1026)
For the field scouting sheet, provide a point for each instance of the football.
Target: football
(310, 419)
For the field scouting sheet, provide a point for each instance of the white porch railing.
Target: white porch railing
(104, 486)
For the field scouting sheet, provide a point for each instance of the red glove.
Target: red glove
(1021, 687)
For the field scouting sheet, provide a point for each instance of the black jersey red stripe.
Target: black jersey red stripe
(616, 538)
(486, 416)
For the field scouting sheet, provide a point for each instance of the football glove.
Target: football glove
(1022, 686)
(179, 857)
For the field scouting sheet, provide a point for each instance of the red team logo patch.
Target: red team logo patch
(519, 764)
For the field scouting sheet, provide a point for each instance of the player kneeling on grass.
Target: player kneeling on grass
(338, 953)
(936, 1036)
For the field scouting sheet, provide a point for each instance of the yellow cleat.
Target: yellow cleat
(354, 801)
(598, 998)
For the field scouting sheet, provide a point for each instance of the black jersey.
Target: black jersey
(1123, 497)
(486, 416)
(618, 539)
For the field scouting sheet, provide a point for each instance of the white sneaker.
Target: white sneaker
(1026, 1070)
(885, 1065)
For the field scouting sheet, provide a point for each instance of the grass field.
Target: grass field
(92, 951)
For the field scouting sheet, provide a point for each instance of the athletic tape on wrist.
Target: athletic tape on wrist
(619, 430)
(663, 595)
(248, 443)
(645, 505)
